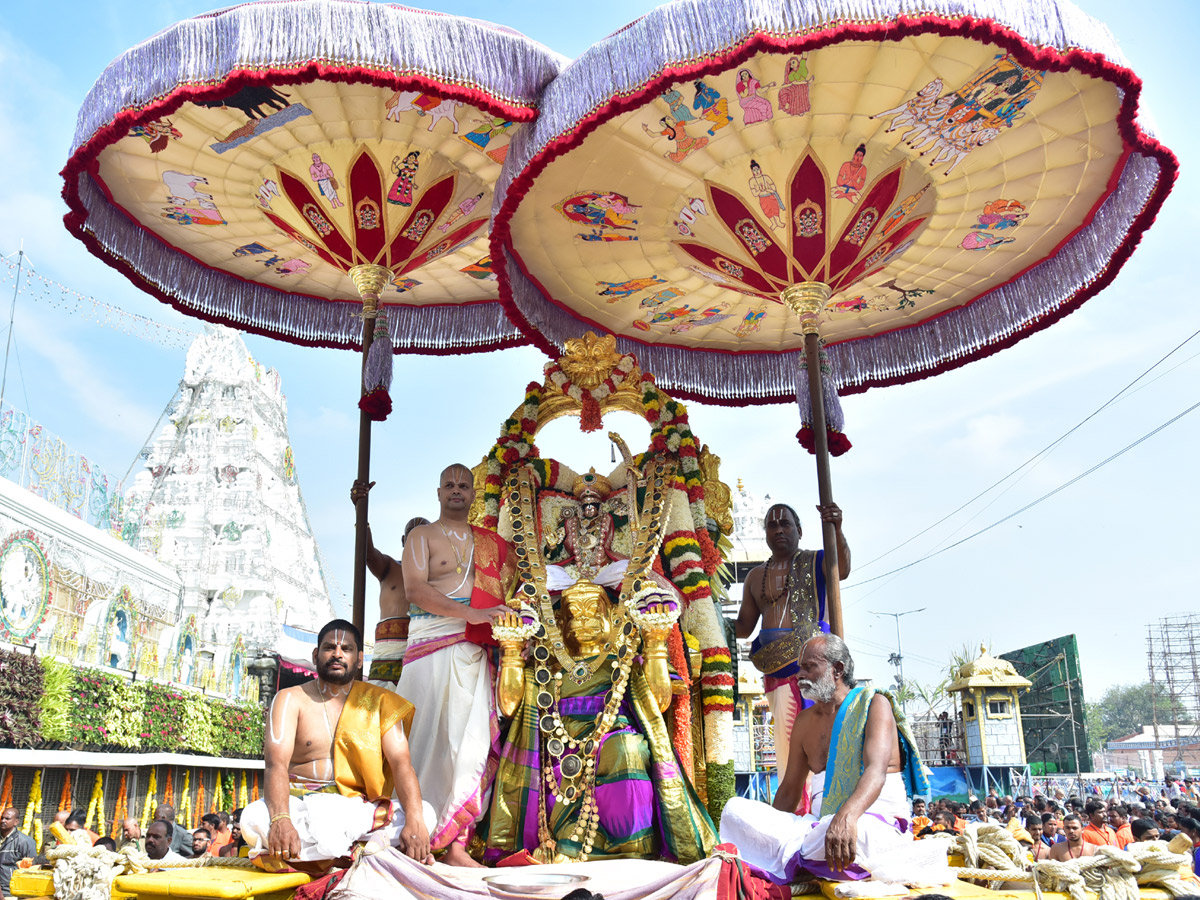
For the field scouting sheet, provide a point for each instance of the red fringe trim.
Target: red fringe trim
(1050, 59)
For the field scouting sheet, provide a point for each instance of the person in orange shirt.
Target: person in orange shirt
(1097, 830)
(920, 821)
(960, 824)
(1118, 821)
(217, 826)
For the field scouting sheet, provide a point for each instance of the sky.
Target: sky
(1102, 558)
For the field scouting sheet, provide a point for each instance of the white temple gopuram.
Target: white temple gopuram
(193, 571)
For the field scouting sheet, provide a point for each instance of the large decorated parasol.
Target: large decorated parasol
(727, 186)
(319, 171)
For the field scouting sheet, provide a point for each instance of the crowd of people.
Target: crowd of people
(164, 840)
(219, 834)
(1070, 828)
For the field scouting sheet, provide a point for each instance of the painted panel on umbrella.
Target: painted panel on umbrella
(868, 166)
(267, 185)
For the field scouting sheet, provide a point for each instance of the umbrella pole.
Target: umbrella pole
(370, 280)
(807, 300)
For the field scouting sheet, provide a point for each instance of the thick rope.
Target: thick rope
(1111, 873)
(87, 873)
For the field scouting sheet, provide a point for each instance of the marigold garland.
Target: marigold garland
(243, 796)
(95, 810)
(121, 813)
(254, 791)
(682, 703)
(169, 790)
(64, 799)
(218, 796)
(199, 797)
(6, 791)
(149, 803)
(35, 802)
(184, 813)
(516, 443)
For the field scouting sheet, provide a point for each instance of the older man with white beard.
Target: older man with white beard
(865, 766)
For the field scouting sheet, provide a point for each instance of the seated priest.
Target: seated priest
(865, 766)
(336, 751)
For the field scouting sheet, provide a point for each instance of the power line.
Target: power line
(1034, 503)
(1035, 456)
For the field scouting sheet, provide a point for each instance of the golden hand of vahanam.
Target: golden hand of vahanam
(654, 653)
(510, 685)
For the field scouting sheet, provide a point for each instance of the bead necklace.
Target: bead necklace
(787, 583)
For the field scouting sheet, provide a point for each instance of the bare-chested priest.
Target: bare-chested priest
(336, 750)
(865, 766)
(391, 632)
(454, 576)
(787, 593)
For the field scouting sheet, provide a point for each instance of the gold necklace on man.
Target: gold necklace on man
(458, 557)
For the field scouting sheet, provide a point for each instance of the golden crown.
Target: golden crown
(591, 482)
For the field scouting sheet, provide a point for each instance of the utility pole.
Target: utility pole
(897, 658)
(12, 312)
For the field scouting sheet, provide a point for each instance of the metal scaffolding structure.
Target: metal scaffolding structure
(1173, 663)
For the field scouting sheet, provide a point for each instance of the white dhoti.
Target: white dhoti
(450, 682)
(329, 824)
(781, 844)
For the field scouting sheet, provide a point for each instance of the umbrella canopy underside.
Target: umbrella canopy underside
(957, 185)
(237, 165)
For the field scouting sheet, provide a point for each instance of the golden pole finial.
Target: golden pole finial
(370, 280)
(807, 300)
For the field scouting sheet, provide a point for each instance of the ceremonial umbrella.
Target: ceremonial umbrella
(290, 168)
(726, 184)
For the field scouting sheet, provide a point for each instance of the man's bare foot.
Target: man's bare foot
(456, 855)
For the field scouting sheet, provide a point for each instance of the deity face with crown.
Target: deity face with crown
(590, 489)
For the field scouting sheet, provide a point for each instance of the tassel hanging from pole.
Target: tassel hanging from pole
(376, 402)
(835, 420)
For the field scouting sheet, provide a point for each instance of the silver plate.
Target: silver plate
(535, 884)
